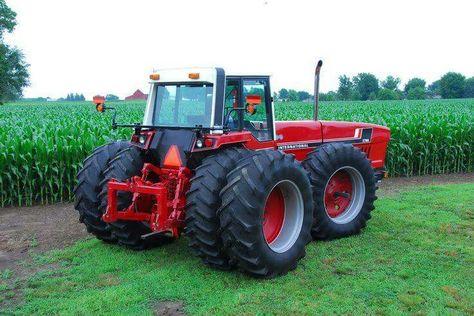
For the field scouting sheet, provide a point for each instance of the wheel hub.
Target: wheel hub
(274, 215)
(338, 194)
(344, 195)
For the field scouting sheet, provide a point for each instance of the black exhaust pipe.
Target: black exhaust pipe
(316, 89)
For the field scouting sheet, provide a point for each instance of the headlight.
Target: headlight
(142, 139)
(199, 143)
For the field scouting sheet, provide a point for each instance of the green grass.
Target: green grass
(416, 256)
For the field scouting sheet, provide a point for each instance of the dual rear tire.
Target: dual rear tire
(120, 161)
(88, 187)
(266, 213)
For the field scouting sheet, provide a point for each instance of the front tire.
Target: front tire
(344, 188)
(202, 202)
(266, 213)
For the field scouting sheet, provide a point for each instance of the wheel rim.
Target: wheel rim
(283, 216)
(344, 195)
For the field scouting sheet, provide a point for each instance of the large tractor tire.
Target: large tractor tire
(128, 163)
(202, 202)
(88, 187)
(344, 188)
(266, 213)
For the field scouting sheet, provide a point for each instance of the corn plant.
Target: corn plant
(43, 144)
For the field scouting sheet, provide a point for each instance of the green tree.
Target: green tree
(416, 93)
(283, 94)
(345, 88)
(330, 96)
(452, 85)
(111, 97)
(391, 83)
(355, 95)
(433, 89)
(82, 98)
(13, 68)
(414, 83)
(387, 94)
(366, 84)
(7, 19)
(303, 95)
(469, 88)
(292, 95)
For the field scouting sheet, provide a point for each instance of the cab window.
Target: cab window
(258, 108)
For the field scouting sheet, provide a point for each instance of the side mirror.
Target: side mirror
(252, 100)
(99, 102)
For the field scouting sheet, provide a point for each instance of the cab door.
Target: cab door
(258, 116)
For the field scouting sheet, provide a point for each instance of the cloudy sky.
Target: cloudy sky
(92, 46)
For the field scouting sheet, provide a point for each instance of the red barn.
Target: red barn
(137, 95)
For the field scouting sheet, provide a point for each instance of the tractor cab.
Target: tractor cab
(208, 99)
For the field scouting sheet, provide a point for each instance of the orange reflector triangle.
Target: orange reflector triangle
(172, 158)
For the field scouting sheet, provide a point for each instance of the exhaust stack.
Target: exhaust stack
(316, 89)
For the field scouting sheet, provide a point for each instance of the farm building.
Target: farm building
(137, 95)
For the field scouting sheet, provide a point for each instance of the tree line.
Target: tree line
(292, 95)
(80, 97)
(73, 97)
(366, 86)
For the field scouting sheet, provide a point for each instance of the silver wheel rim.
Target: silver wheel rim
(293, 216)
(357, 198)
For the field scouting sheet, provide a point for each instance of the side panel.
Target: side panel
(302, 137)
(370, 138)
(298, 137)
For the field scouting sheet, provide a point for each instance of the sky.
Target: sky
(100, 46)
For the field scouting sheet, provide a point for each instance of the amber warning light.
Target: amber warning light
(155, 77)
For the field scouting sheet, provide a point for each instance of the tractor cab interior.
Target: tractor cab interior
(248, 106)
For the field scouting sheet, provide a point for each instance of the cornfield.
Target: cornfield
(42, 145)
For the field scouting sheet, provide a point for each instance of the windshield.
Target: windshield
(185, 105)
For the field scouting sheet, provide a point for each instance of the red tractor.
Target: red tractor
(210, 160)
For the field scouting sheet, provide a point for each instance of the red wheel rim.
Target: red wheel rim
(338, 194)
(273, 215)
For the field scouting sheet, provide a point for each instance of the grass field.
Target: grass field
(42, 145)
(416, 256)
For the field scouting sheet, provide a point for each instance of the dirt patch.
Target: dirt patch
(168, 308)
(393, 186)
(36, 229)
